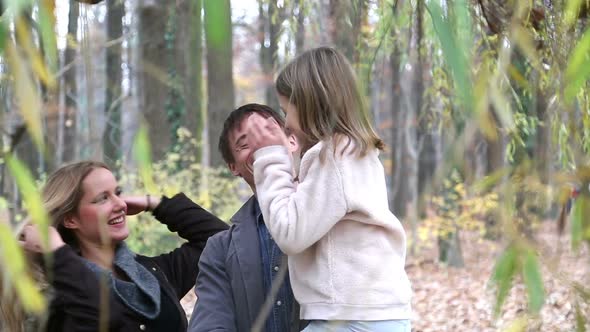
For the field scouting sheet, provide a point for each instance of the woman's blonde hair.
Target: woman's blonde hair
(61, 197)
(62, 194)
(322, 86)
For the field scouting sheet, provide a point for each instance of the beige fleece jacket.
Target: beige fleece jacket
(346, 249)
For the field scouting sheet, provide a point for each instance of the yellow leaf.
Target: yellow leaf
(13, 262)
(26, 94)
(37, 63)
(518, 325)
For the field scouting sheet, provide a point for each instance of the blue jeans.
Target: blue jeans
(399, 325)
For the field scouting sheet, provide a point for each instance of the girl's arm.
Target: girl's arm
(298, 215)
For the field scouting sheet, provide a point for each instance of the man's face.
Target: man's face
(242, 152)
(238, 143)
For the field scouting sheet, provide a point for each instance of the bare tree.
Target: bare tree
(153, 80)
(195, 113)
(112, 132)
(270, 20)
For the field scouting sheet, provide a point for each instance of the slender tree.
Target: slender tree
(220, 86)
(112, 132)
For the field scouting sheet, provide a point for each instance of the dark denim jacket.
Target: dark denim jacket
(272, 258)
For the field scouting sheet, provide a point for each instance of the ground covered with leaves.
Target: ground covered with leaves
(462, 299)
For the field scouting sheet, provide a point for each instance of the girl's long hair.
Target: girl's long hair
(322, 86)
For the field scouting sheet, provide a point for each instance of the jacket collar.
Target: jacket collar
(246, 211)
(247, 246)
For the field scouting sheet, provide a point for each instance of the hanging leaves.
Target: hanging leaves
(31, 195)
(142, 152)
(502, 276)
(531, 274)
(578, 67)
(455, 47)
(14, 269)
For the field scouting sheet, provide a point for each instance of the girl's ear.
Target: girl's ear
(293, 144)
(71, 222)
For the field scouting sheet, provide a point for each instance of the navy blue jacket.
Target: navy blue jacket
(229, 287)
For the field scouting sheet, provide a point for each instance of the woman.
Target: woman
(98, 282)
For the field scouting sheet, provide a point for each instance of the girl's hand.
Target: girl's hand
(30, 239)
(138, 204)
(263, 132)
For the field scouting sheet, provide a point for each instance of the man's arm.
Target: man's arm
(214, 310)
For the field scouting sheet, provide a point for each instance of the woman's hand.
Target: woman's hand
(263, 132)
(30, 239)
(137, 204)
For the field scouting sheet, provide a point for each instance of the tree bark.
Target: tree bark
(346, 15)
(270, 20)
(220, 87)
(112, 132)
(300, 33)
(68, 125)
(397, 122)
(154, 84)
(194, 115)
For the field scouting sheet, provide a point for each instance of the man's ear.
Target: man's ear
(232, 167)
(70, 222)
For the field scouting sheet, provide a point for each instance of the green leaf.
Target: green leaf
(48, 36)
(578, 67)
(518, 325)
(502, 275)
(577, 230)
(3, 36)
(27, 95)
(572, 11)
(31, 196)
(464, 24)
(531, 274)
(455, 49)
(16, 6)
(14, 265)
(143, 157)
(217, 21)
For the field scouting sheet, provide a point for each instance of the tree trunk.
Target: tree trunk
(397, 119)
(153, 16)
(112, 132)
(346, 15)
(194, 114)
(67, 139)
(270, 21)
(220, 87)
(300, 33)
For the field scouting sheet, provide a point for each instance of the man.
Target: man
(242, 267)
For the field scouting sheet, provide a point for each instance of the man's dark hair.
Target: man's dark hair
(235, 118)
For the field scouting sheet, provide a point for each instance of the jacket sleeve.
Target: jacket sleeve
(77, 296)
(192, 223)
(298, 215)
(214, 310)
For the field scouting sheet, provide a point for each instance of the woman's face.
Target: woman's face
(101, 211)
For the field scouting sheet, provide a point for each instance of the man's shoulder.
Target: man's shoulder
(221, 239)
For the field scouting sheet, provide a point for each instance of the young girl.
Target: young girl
(346, 249)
